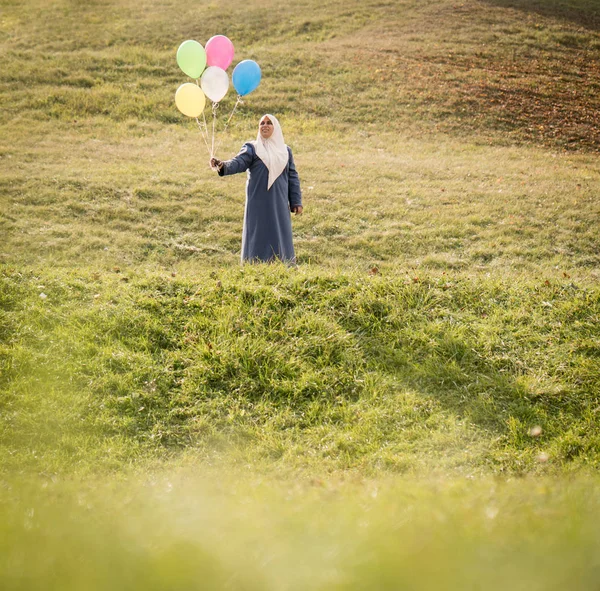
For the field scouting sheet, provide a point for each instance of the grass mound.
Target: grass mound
(342, 370)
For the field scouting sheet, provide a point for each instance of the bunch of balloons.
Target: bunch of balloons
(208, 65)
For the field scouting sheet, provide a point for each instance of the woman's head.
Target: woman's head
(270, 147)
(266, 127)
(269, 132)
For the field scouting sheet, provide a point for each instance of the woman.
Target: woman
(272, 191)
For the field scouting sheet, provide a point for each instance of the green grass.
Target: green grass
(318, 371)
(414, 406)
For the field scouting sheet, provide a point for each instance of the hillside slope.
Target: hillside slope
(415, 405)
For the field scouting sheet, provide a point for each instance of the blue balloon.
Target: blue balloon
(246, 77)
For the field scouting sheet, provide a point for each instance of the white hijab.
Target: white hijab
(272, 151)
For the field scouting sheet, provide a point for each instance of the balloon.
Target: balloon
(246, 77)
(219, 51)
(191, 58)
(214, 83)
(190, 99)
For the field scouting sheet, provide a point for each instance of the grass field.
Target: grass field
(415, 406)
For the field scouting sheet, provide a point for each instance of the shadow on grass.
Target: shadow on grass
(452, 373)
(260, 354)
(583, 13)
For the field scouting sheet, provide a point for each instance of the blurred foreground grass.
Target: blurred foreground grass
(201, 529)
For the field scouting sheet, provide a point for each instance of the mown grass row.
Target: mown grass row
(474, 68)
(397, 203)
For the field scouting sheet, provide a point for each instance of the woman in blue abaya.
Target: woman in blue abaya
(272, 192)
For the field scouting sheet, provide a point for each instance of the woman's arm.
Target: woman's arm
(294, 192)
(240, 163)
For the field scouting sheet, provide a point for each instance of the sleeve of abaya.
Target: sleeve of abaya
(294, 193)
(240, 163)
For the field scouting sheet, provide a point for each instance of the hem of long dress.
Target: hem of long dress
(257, 260)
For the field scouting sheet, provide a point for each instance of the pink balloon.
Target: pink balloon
(219, 52)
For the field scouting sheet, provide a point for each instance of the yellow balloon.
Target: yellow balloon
(190, 99)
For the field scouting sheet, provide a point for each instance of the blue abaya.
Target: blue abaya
(267, 233)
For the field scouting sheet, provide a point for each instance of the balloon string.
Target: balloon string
(238, 102)
(205, 127)
(215, 106)
(203, 133)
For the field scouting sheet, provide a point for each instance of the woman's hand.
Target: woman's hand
(297, 209)
(216, 164)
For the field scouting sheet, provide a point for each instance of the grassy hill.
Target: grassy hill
(414, 406)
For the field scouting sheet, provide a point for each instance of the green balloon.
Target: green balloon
(191, 58)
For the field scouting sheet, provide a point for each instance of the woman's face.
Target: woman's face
(266, 128)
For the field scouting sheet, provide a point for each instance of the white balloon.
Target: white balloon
(215, 83)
